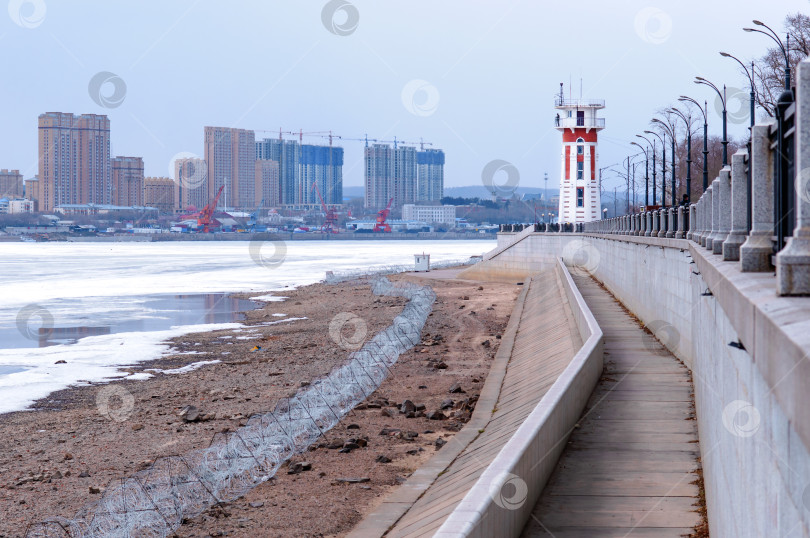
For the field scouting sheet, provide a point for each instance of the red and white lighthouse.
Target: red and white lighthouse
(580, 199)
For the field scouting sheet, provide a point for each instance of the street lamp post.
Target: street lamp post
(705, 111)
(703, 81)
(646, 173)
(688, 153)
(785, 48)
(671, 131)
(750, 79)
(783, 183)
(629, 159)
(653, 164)
(663, 169)
(748, 186)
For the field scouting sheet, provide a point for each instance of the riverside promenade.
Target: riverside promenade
(629, 467)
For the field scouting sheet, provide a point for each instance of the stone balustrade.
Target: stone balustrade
(776, 237)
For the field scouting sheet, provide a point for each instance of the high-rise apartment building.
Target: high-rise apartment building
(74, 159)
(303, 165)
(11, 184)
(321, 165)
(32, 191)
(158, 192)
(127, 181)
(390, 173)
(430, 175)
(230, 155)
(404, 176)
(268, 188)
(190, 183)
(379, 169)
(287, 153)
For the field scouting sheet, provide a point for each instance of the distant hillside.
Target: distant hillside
(479, 191)
(472, 191)
(353, 192)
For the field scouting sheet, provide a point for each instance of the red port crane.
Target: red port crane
(331, 219)
(207, 214)
(382, 216)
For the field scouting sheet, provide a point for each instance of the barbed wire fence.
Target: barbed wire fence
(337, 277)
(154, 502)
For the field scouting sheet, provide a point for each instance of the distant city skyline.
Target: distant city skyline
(76, 168)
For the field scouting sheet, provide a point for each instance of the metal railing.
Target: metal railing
(579, 103)
(566, 227)
(588, 123)
(783, 144)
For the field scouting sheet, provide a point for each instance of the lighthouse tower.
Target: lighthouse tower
(580, 200)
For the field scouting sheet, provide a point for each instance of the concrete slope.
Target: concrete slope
(545, 343)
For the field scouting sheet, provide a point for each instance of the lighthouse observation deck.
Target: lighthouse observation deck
(579, 122)
(578, 114)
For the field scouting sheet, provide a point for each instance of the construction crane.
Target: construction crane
(382, 217)
(331, 216)
(301, 134)
(318, 134)
(396, 142)
(331, 137)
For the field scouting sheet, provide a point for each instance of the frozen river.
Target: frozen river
(99, 306)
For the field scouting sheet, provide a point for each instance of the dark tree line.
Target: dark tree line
(453, 200)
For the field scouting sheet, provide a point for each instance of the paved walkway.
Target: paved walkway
(546, 341)
(627, 470)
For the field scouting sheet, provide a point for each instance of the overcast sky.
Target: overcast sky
(475, 78)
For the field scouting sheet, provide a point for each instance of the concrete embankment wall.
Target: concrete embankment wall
(517, 260)
(751, 421)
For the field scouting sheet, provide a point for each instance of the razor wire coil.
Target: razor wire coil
(155, 501)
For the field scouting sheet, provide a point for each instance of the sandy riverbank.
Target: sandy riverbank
(54, 459)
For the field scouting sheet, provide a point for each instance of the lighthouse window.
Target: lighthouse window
(580, 169)
(580, 150)
(580, 196)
